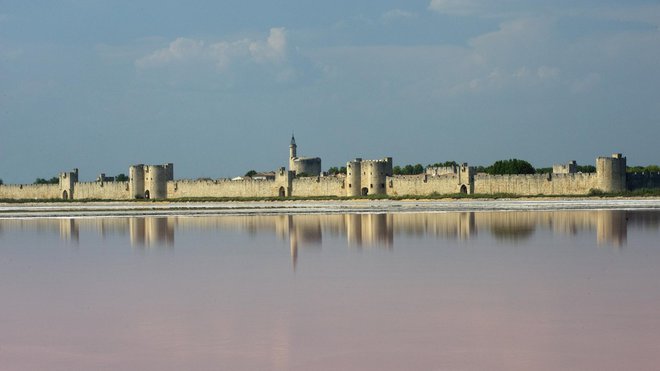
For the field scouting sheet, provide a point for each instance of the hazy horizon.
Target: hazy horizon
(217, 87)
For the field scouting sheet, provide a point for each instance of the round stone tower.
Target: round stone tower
(136, 181)
(377, 172)
(611, 172)
(353, 176)
(155, 182)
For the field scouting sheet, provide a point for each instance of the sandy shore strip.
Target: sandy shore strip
(118, 209)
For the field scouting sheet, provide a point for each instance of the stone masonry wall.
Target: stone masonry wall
(223, 188)
(318, 186)
(415, 185)
(642, 180)
(536, 184)
(101, 190)
(30, 191)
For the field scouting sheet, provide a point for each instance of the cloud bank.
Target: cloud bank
(222, 54)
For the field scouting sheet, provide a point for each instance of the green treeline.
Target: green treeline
(337, 170)
(408, 169)
(643, 169)
(53, 180)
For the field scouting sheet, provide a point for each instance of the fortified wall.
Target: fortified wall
(442, 180)
(610, 176)
(363, 177)
(280, 187)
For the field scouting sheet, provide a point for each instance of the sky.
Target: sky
(218, 87)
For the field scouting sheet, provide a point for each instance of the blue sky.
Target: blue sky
(217, 87)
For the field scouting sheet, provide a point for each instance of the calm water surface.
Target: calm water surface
(560, 290)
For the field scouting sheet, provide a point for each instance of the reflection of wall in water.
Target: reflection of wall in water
(445, 225)
(610, 226)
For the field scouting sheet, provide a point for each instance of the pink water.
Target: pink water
(449, 291)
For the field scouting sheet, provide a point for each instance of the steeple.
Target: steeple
(292, 151)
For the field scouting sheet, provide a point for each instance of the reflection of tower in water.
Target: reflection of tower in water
(69, 230)
(369, 230)
(466, 225)
(151, 231)
(612, 227)
(302, 230)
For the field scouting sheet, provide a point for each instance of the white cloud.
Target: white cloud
(455, 7)
(274, 49)
(179, 50)
(397, 14)
(221, 54)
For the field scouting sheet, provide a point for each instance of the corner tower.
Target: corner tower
(611, 172)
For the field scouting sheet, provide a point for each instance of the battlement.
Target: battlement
(568, 168)
(385, 160)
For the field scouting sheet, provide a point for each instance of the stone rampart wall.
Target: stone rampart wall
(223, 188)
(101, 190)
(417, 185)
(318, 186)
(30, 191)
(536, 184)
(642, 180)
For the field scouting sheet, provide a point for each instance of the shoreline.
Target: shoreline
(287, 207)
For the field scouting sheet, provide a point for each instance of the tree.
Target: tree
(408, 169)
(121, 178)
(302, 175)
(1, 182)
(511, 166)
(251, 173)
(586, 169)
(643, 169)
(337, 170)
(53, 180)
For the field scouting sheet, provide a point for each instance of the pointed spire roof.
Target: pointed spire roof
(293, 140)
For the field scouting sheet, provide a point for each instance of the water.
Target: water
(510, 290)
